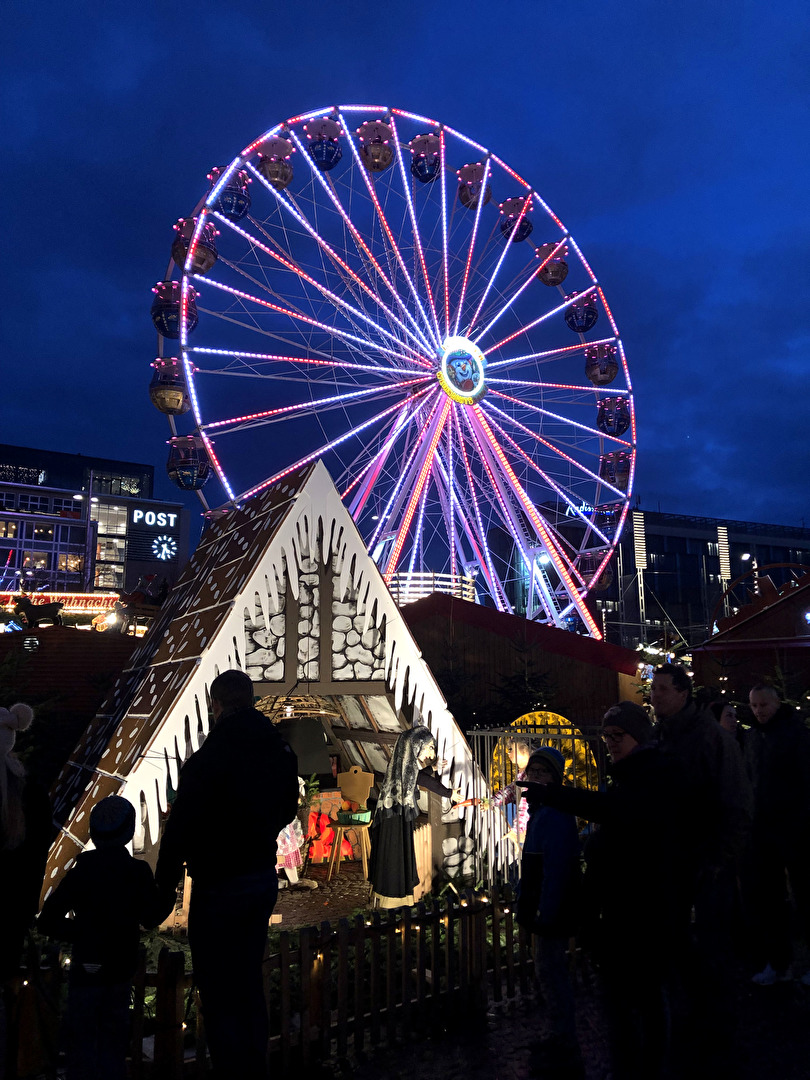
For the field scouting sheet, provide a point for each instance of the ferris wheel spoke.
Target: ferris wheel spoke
(565, 496)
(520, 290)
(490, 283)
(344, 335)
(396, 496)
(424, 462)
(465, 280)
(540, 526)
(415, 227)
(288, 204)
(351, 433)
(561, 453)
(542, 318)
(510, 517)
(542, 385)
(269, 416)
(445, 251)
(277, 358)
(359, 241)
(556, 416)
(294, 268)
(372, 191)
(496, 588)
(369, 475)
(548, 354)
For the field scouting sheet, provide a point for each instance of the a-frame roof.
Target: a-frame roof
(284, 589)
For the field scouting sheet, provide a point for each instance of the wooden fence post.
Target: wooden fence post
(138, 995)
(390, 977)
(359, 982)
(374, 973)
(405, 953)
(495, 910)
(307, 958)
(285, 1042)
(324, 969)
(169, 995)
(342, 987)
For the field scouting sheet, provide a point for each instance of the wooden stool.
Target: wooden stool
(355, 786)
(337, 843)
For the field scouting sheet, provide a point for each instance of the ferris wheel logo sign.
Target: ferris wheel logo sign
(164, 548)
(461, 374)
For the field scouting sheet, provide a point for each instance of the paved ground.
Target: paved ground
(773, 1037)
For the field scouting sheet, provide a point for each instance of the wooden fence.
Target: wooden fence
(340, 988)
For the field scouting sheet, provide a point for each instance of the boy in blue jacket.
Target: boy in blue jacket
(547, 901)
(111, 895)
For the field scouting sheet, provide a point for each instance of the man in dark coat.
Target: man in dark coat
(777, 758)
(636, 916)
(717, 824)
(235, 795)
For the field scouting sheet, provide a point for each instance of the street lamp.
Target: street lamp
(754, 568)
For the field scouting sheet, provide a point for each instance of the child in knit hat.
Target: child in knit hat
(547, 907)
(111, 895)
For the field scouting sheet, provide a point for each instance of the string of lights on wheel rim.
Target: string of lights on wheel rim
(372, 288)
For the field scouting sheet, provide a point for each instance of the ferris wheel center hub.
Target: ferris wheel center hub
(462, 370)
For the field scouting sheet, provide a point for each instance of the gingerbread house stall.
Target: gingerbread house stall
(285, 590)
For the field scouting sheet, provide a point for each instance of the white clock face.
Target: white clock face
(164, 547)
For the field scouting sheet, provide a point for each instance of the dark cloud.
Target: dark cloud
(670, 139)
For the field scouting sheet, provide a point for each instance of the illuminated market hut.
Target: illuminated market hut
(285, 590)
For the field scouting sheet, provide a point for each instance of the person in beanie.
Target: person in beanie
(634, 886)
(547, 906)
(26, 829)
(111, 896)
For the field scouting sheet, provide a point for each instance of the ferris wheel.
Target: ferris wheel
(372, 288)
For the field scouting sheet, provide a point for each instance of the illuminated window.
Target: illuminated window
(43, 532)
(109, 576)
(110, 550)
(71, 563)
(7, 500)
(8, 529)
(36, 560)
(112, 520)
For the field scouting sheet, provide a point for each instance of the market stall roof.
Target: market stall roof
(284, 589)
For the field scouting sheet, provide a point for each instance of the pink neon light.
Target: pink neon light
(308, 405)
(387, 229)
(353, 230)
(509, 303)
(310, 360)
(417, 491)
(385, 516)
(549, 354)
(375, 296)
(556, 416)
(473, 238)
(548, 543)
(589, 390)
(523, 211)
(542, 318)
(303, 318)
(443, 167)
(289, 265)
(323, 449)
(375, 465)
(495, 582)
(551, 484)
(416, 236)
(582, 259)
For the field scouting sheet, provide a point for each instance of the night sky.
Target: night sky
(670, 138)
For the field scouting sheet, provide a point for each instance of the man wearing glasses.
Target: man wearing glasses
(634, 882)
